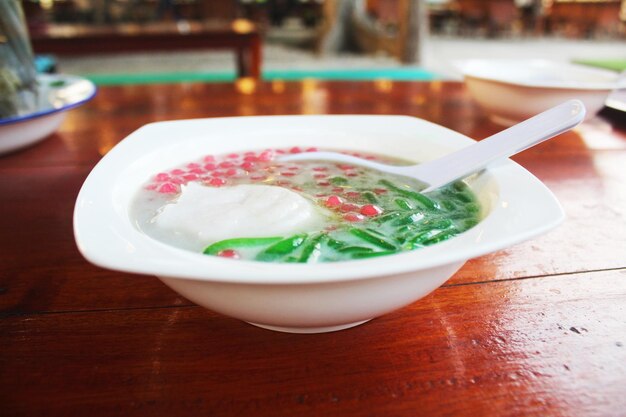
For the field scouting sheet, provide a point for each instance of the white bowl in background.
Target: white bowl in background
(511, 91)
(303, 298)
(56, 94)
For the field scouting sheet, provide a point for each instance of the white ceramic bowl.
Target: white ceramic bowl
(298, 297)
(57, 94)
(514, 90)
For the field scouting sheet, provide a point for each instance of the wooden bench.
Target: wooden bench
(242, 36)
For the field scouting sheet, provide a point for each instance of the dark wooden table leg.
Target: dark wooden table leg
(255, 57)
(249, 58)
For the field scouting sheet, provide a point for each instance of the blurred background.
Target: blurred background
(221, 40)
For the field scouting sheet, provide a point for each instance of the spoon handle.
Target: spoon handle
(508, 142)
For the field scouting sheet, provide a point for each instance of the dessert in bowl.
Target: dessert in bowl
(295, 294)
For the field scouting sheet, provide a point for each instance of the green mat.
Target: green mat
(394, 74)
(618, 65)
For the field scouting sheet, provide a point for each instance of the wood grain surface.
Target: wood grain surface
(537, 329)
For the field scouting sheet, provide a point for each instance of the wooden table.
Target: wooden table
(585, 18)
(241, 36)
(492, 16)
(538, 329)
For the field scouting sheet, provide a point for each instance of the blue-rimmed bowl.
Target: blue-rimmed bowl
(57, 94)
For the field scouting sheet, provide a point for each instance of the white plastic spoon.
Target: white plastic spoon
(473, 158)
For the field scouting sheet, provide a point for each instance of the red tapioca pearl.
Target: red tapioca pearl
(266, 156)
(217, 182)
(333, 201)
(338, 190)
(230, 172)
(168, 188)
(288, 174)
(347, 208)
(281, 151)
(321, 195)
(295, 149)
(258, 177)
(352, 174)
(370, 210)
(177, 180)
(209, 158)
(197, 171)
(353, 194)
(210, 167)
(323, 183)
(217, 173)
(190, 177)
(226, 164)
(312, 149)
(320, 176)
(248, 166)
(233, 155)
(293, 168)
(162, 176)
(345, 167)
(380, 191)
(251, 158)
(177, 172)
(228, 253)
(320, 169)
(353, 217)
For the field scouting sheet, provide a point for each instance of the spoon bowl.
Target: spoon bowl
(472, 159)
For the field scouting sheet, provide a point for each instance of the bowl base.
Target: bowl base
(308, 329)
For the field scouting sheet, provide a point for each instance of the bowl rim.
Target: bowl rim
(47, 78)
(468, 69)
(99, 221)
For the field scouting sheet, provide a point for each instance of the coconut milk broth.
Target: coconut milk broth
(347, 191)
